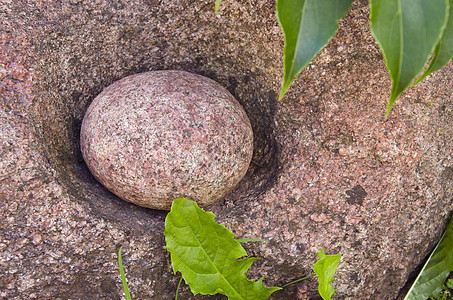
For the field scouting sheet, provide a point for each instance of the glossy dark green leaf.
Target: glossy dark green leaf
(210, 260)
(440, 263)
(307, 25)
(407, 32)
(444, 49)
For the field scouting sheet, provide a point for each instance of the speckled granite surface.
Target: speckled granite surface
(157, 136)
(334, 172)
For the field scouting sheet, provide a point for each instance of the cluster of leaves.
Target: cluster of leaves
(211, 261)
(439, 264)
(408, 32)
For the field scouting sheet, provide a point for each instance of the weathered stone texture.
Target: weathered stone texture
(334, 173)
(157, 136)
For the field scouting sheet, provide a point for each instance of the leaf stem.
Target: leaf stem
(300, 279)
(259, 165)
(177, 289)
(251, 240)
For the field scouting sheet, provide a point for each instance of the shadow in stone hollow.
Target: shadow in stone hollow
(263, 171)
(58, 112)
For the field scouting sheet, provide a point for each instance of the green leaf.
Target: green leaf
(207, 255)
(325, 268)
(444, 49)
(449, 283)
(217, 6)
(407, 32)
(307, 25)
(440, 263)
(123, 276)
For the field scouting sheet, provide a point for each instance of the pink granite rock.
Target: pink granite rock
(156, 136)
(334, 172)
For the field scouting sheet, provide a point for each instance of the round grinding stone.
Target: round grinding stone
(156, 136)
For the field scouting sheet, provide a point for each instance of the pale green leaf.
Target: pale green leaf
(210, 260)
(123, 276)
(307, 25)
(449, 283)
(440, 263)
(217, 6)
(407, 32)
(444, 49)
(325, 268)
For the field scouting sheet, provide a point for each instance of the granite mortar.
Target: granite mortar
(327, 140)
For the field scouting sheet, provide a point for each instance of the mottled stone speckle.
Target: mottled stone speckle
(61, 230)
(156, 136)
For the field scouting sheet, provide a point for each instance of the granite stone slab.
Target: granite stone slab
(331, 171)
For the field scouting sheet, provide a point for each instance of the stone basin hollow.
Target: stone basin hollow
(58, 112)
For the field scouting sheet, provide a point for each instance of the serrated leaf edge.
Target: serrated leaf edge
(246, 261)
